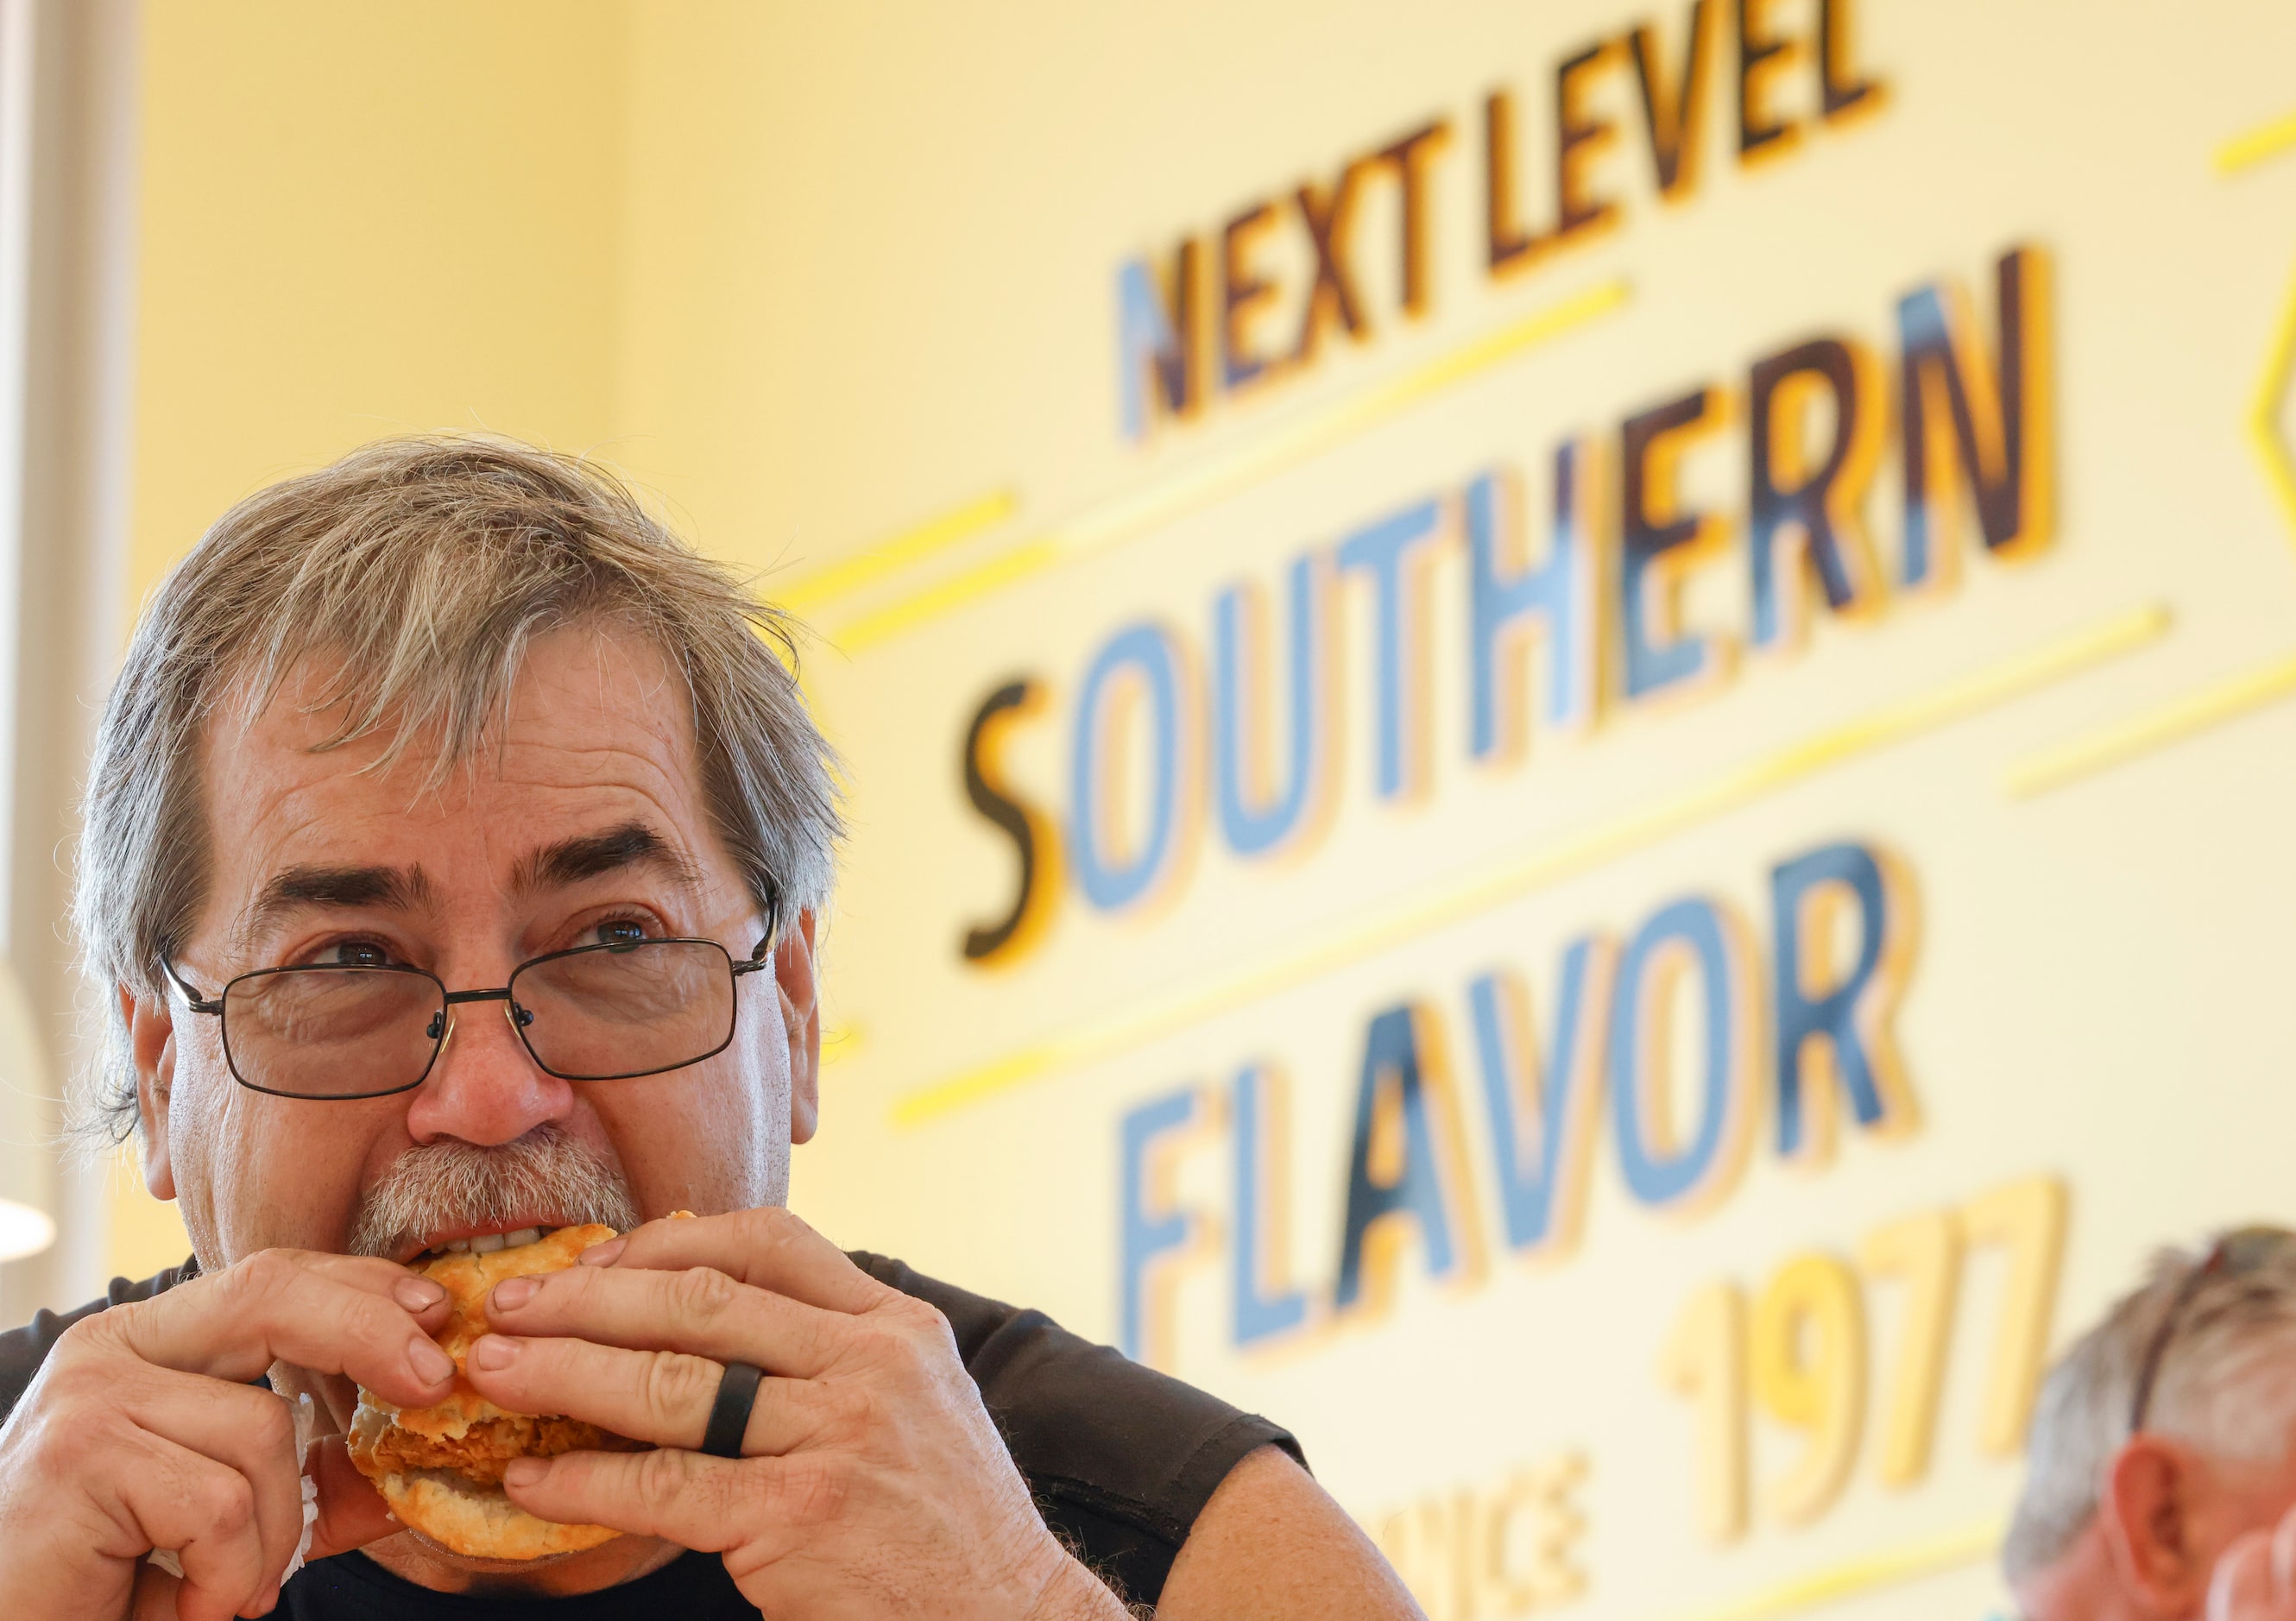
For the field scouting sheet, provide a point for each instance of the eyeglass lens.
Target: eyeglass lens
(594, 1014)
(625, 1009)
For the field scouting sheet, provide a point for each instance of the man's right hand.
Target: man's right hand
(2256, 1578)
(144, 1429)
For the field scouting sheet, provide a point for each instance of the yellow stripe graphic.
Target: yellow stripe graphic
(959, 524)
(2264, 412)
(1866, 1574)
(2266, 141)
(1129, 517)
(2153, 728)
(1765, 774)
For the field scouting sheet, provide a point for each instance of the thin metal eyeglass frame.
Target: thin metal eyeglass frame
(213, 1006)
(2221, 1259)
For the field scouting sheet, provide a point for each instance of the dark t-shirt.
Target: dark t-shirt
(1121, 1459)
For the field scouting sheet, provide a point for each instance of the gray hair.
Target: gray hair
(424, 569)
(2226, 1385)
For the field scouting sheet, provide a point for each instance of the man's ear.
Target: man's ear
(2149, 1494)
(801, 991)
(152, 1045)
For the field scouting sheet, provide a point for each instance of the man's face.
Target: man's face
(581, 812)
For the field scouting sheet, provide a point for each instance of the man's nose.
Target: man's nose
(485, 1087)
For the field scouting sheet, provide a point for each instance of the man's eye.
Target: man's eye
(621, 931)
(356, 954)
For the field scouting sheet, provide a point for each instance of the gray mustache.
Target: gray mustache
(452, 1183)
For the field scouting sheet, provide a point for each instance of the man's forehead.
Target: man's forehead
(582, 689)
(592, 744)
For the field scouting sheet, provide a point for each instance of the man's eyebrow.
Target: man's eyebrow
(633, 844)
(392, 888)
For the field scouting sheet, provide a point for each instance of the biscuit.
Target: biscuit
(440, 1467)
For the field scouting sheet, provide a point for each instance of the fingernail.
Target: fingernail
(524, 1471)
(605, 1254)
(493, 1352)
(431, 1366)
(511, 1293)
(417, 1294)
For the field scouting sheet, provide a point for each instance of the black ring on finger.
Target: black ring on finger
(729, 1415)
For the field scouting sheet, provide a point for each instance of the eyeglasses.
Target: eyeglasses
(2244, 1249)
(607, 1012)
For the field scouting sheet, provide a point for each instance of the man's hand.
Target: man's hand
(872, 1481)
(2256, 1578)
(143, 1430)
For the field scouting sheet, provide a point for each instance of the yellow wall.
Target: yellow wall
(818, 274)
(363, 219)
(868, 279)
(358, 220)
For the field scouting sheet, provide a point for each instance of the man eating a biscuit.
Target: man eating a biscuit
(453, 847)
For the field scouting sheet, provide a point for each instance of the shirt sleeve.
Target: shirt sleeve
(23, 1350)
(1121, 1458)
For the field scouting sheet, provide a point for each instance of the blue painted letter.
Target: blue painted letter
(1839, 1033)
(1542, 1124)
(1153, 1234)
(1263, 1306)
(1399, 1166)
(1255, 816)
(1389, 551)
(1159, 343)
(1663, 1166)
(1506, 598)
(1113, 878)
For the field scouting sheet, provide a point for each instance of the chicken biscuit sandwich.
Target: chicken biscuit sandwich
(440, 1468)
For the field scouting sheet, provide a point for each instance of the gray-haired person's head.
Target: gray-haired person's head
(2224, 1384)
(417, 572)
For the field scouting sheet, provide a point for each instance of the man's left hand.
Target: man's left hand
(872, 1481)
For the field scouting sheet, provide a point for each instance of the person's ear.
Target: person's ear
(150, 1025)
(800, 993)
(2150, 1495)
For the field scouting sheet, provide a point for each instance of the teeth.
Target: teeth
(489, 1244)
